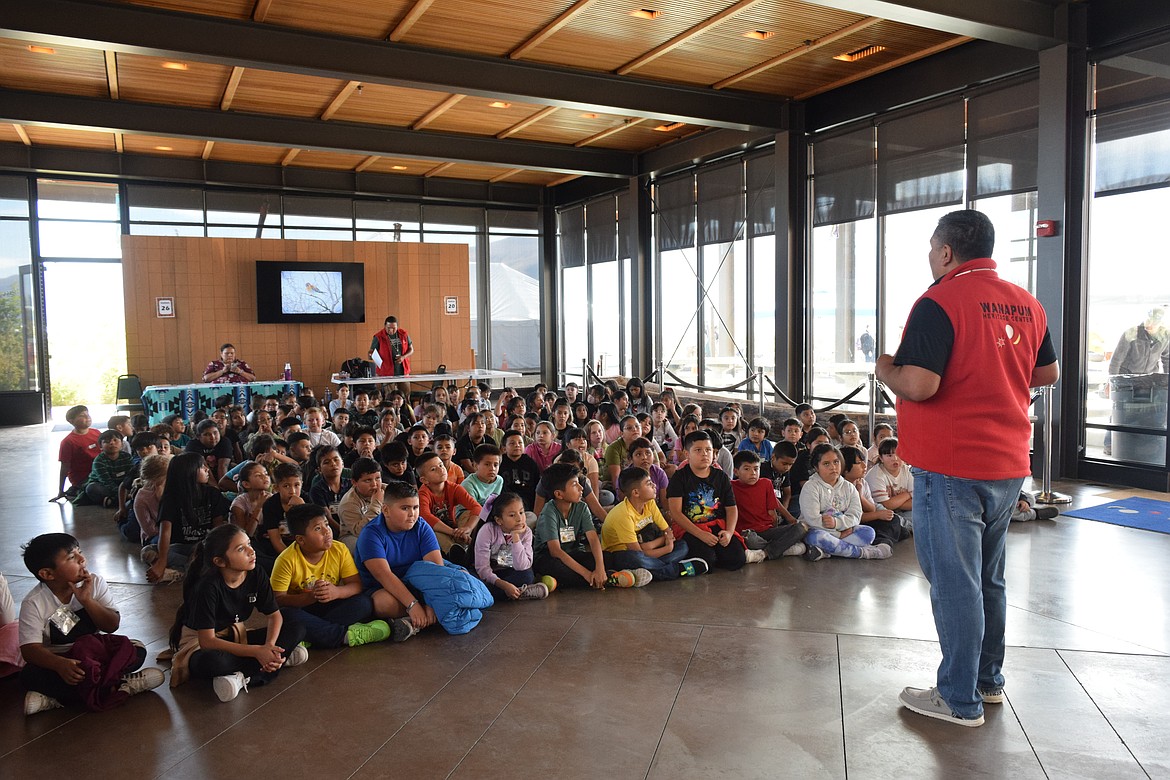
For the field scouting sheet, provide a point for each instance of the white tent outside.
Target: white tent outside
(515, 322)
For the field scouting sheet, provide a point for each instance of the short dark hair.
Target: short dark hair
(394, 452)
(293, 438)
(695, 436)
(285, 471)
(145, 439)
(363, 466)
(791, 421)
(261, 443)
(364, 430)
(41, 551)
(288, 422)
(484, 451)
(784, 449)
(575, 433)
(640, 443)
(396, 489)
(813, 433)
(760, 424)
(301, 515)
(631, 477)
(226, 345)
(424, 459)
(558, 475)
(205, 426)
(968, 233)
(802, 408)
(76, 410)
(744, 456)
(109, 435)
(888, 446)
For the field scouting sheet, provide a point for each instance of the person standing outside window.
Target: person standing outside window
(973, 347)
(395, 348)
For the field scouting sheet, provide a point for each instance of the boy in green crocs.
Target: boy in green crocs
(316, 584)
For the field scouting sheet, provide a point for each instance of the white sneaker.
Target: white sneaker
(754, 556)
(876, 551)
(170, 575)
(149, 554)
(38, 702)
(796, 549)
(229, 686)
(143, 680)
(297, 657)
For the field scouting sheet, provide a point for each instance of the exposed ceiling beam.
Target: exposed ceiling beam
(606, 133)
(207, 147)
(529, 120)
(229, 91)
(342, 96)
(408, 20)
(864, 74)
(549, 29)
(366, 163)
(505, 175)
(31, 108)
(438, 169)
(1027, 24)
(157, 32)
(22, 134)
(112, 74)
(561, 180)
(799, 51)
(260, 11)
(684, 36)
(437, 111)
(119, 144)
(289, 156)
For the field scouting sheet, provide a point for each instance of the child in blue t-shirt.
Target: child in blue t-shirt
(757, 439)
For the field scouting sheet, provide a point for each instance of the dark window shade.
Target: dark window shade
(1003, 140)
(1137, 77)
(761, 195)
(601, 230)
(721, 207)
(516, 221)
(627, 212)
(844, 179)
(920, 160)
(572, 236)
(675, 202)
(1131, 149)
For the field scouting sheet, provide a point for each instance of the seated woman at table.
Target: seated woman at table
(228, 370)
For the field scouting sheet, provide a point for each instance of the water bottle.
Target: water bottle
(288, 372)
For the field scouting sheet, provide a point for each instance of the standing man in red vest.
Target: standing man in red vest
(394, 347)
(972, 348)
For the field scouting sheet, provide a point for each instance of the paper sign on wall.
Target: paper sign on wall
(452, 304)
(166, 307)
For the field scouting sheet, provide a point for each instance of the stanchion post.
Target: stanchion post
(1047, 495)
(874, 392)
(760, 386)
(584, 375)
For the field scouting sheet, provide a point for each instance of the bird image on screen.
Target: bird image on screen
(310, 292)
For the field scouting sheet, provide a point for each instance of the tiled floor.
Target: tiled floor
(785, 669)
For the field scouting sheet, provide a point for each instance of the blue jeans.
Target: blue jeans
(664, 568)
(959, 534)
(325, 624)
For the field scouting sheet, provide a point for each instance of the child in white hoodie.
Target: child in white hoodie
(831, 506)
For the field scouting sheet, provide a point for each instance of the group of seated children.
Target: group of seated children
(317, 524)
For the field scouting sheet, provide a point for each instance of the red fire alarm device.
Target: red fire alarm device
(1047, 228)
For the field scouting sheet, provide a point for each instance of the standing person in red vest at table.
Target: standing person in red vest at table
(394, 347)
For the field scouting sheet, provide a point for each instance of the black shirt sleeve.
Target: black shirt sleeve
(1047, 353)
(928, 339)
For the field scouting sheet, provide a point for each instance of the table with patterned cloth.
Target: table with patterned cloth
(159, 401)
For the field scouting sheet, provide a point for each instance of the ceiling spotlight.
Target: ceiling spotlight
(499, 104)
(589, 116)
(669, 127)
(165, 148)
(857, 54)
(759, 35)
(646, 13)
(398, 167)
(175, 65)
(42, 49)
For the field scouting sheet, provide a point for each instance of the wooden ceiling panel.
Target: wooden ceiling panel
(359, 18)
(147, 79)
(234, 9)
(68, 70)
(74, 139)
(10, 135)
(492, 27)
(167, 147)
(468, 171)
(725, 50)
(247, 153)
(818, 68)
(475, 116)
(287, 94)
(403, 167)
(643, 136)
(334, 161)
(539, 178)
(568, 126)
(604, 36)
(382, 105)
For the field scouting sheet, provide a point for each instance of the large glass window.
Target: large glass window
(18, 346)
(514, 247)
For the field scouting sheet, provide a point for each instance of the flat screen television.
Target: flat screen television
(310, 292)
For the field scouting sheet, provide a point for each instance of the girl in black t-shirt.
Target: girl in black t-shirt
(188, 510)
(223, 587)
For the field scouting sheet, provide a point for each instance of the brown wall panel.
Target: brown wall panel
(213, 282)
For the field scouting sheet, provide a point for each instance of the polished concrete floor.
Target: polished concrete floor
(784, 669)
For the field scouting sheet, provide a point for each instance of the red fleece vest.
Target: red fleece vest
(976, 426)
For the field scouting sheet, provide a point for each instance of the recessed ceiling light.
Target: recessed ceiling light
(857, 54)
(165, 148)
(646, 13)
(398, 167)
(669, 127)
(175, 65)
(589, 116)
(42, 49)
(499, 104)
(759, 35)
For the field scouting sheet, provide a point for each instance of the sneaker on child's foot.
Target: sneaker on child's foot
(535, 590)
(149, 554)
(693, 567)
(297, 657)
(109, 503)
(367, 633)
(143, 680)
(549, 582)
(170, 575)
(796, 549)
(1046, 512)
(754, 541)
(229, 686)
(38, 702)
(401, 629)
(992, 695)
(815, 554)
(621, 579)
(926, 701)
(876, 551)
(642, 577)
(755, 556)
